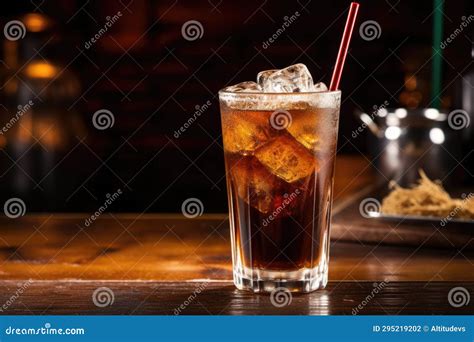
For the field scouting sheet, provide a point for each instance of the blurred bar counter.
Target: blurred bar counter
(153, 263)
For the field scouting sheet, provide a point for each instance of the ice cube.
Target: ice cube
(315, 129)
(293, 79)
(286, 158)
(244, 87)
(254, 184)
(260, 189)
(245, 131)
(263, 76)
(320, 87)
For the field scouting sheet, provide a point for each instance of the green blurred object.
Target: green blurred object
(437, 54)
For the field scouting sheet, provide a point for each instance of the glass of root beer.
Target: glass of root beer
(280, 137)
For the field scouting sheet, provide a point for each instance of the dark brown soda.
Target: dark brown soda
(280, 239)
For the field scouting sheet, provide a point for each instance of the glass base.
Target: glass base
(303, 280)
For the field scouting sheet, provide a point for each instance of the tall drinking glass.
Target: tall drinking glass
(279, 155)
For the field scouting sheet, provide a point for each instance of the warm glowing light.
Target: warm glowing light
(410, 82)
(437, 136)
(48, 134)
(366, 119)
(392, 120)
(434, 114)
(393, 132)
(36, 22)
(382, 112)
(41, 70)
(401, 113)
(25, 127)
(431, 113)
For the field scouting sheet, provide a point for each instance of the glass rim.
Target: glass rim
(261, 93)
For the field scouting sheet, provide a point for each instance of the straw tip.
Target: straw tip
(346, 37)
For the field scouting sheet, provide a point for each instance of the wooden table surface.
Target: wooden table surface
(168, 264)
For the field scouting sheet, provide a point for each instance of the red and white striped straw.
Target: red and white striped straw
(346, 38)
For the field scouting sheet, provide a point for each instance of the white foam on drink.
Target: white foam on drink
(293, 101)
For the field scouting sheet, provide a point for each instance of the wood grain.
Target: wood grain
(173, 248)
(221, 298)
(154, 262)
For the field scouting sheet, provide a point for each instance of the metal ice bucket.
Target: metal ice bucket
(406, 140)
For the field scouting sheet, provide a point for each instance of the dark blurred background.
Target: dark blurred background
(149, 78)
